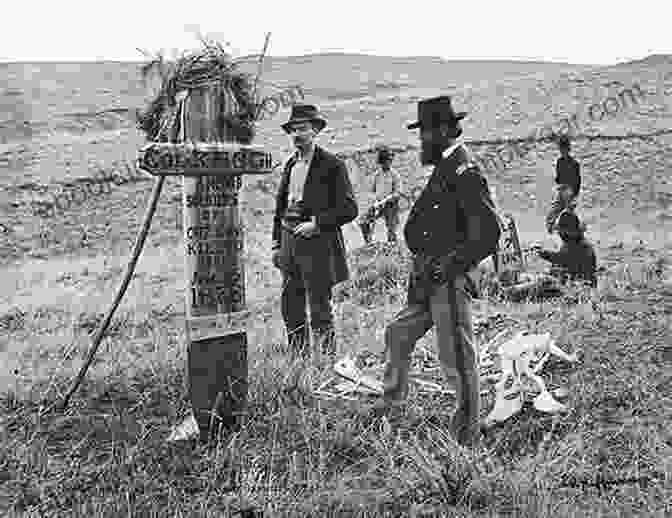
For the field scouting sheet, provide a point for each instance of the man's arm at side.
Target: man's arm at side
(280, 200)
(557, 171)
(483, 230)
(345, 209)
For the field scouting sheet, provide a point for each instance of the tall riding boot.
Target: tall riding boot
(464, 423)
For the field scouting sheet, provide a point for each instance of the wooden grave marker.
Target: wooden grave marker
(212, 163)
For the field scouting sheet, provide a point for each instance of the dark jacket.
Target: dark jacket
(328, 195)
(454, 217)
(576, 260)
(568, 172)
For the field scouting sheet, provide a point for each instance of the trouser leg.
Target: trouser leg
(366, 225)
(458, 354)
(293, 307)
(392, 222)
(321, 320)
(557, 205)
(401, 334)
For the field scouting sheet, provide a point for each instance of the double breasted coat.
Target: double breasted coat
(328, 195)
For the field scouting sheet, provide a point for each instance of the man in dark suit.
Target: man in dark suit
(315, 198)
(452, 227)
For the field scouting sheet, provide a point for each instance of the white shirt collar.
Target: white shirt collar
(449, 151)
(446, 153)
(307, 157)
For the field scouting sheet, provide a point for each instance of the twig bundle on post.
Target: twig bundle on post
(209, 67)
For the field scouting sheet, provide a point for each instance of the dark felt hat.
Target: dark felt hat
(385, 154)
(436, 111)
(305, 113)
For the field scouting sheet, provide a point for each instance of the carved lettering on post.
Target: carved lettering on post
(211, 158)
(213, 246)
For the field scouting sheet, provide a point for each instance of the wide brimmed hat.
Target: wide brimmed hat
(385, 154)
(305, 113)
(436, 111)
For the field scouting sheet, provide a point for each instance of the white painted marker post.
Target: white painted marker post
(211, 164)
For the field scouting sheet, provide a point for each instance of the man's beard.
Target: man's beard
(430, 153)
(301, 141)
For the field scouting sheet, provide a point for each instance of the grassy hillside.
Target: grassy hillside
(106, 455)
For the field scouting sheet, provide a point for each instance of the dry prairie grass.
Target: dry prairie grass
(106, 455)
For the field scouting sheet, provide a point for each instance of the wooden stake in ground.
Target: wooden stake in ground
(62, 404)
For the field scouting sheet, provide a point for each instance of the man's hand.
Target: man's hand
(307, 229)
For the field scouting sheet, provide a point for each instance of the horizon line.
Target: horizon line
(5, 61)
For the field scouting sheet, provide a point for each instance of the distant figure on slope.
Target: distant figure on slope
(568, 183)
(576, 258)
(385, 189)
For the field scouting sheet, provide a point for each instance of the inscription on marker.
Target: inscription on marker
(213, 242)
(215, 159)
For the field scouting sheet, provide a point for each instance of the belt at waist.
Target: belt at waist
(423, 260)
(296, 210)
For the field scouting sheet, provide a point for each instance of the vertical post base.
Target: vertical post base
(218, 382)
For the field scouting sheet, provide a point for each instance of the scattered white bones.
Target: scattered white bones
(516, 355)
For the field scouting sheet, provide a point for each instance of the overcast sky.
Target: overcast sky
(574, 31)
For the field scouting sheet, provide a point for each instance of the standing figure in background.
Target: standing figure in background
(568, 183)
(315, 199)
(385, 189)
